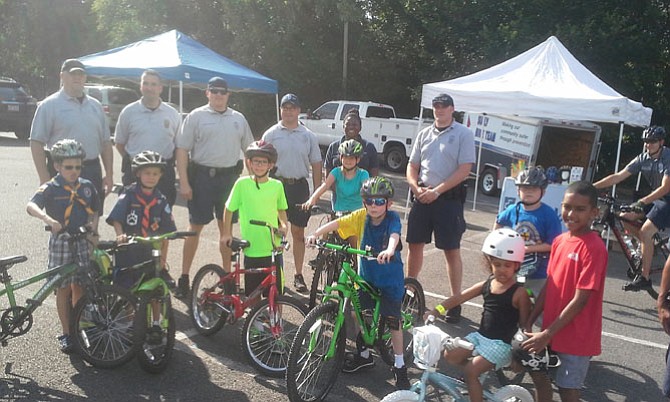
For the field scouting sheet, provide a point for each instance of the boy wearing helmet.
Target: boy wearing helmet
(347, 178)
(506, 307)
(654, 165)
(572, 298)
(377, 227)
(65, 203)
(142, 210)
(257, 197)
(536, 222)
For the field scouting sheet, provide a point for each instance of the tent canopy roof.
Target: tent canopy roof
(176, 57)
(546, 81)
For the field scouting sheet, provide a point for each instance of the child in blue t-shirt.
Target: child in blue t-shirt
(378, 228)
(536, 222)
(347, 179)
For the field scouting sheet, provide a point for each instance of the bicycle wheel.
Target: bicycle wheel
(268, 348)
(513, 393)
(401, 396)
(156, 341)
(207, 316)
(103, 327)
(324, 275)
(309, 375)
(413, 306)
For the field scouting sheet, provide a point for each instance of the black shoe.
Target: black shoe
(640, 283)
(182, 287)
(165, 275)
(155, 335)
(453, 315)
(65, 343)
(354, 362)
(401, 380)
(299, 284)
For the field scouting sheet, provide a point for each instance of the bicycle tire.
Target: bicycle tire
(513, 393)
(268, 352)
(401, 396)
(413, 304)
(324, 275)
(308, 376)
(207, 317)
(152, 357)
(103, 327)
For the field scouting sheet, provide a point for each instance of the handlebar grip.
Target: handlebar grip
(463, 344)
(185, 234)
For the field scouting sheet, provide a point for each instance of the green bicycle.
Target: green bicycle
(317, 352)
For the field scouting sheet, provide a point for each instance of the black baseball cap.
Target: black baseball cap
(71, 65)
(290, 98)
(444, 100)
(217, 82)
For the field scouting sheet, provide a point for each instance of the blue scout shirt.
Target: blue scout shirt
(55, 196)
(129, 211)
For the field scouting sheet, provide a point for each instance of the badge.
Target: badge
(131, 219)
(166, 123)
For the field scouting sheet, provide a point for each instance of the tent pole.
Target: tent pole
(181, 97)
(616, 167)
(479, 161)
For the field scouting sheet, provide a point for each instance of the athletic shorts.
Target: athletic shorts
(61, 254)
(251, 281)
(209, 196)
(444, 217)
(572, 371)
(494, 351)
(297, 193)
(659, 214)
(388, 306)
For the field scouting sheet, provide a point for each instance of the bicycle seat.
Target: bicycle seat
(8, 262)
(238, 244)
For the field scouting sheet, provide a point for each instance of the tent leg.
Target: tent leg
(479, 161)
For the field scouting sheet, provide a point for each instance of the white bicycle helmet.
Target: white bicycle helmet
(505, 244)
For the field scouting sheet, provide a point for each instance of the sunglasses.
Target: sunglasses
(72, 167)
(218, 91)
(376, 201)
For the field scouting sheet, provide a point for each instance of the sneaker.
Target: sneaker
(165, 275)
(299, 284)
(155, 335)
(182, 287)
(65, 343)
(401, 380)
(354, 362)
(453, 315)
(639, 283)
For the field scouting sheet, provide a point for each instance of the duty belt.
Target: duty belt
(291, 181)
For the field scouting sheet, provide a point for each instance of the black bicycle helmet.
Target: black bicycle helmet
(350, 148)
(66, 149)
(147, 159)
(530, 361)
(533, 176)
(653, 133)
(262, 149)
(377, 187)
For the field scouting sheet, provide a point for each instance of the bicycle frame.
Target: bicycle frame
(448, 384)
(57, 274)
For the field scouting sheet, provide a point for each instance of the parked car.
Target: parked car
(17, 108)
(113, 100)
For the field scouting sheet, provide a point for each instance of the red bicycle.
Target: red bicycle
(271, 322)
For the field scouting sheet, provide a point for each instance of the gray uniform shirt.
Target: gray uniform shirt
(296, 149)
(61, 116)
(214, 139)
(439, 153)
(653, 170)
(142, 129)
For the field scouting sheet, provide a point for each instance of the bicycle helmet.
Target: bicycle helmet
(147, 159)
(377, 187)
(533, 176)
(350, 148)
(653, 133)
(262, 149)
(552, 174)
(506, 244)
(66, 149)
(530, 361)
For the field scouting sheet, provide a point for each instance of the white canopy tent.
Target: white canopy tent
(546, 81)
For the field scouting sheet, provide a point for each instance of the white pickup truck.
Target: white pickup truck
(392, 137)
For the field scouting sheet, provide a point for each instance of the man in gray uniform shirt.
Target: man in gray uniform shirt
(211, 138)
(71, 114)
(149, 125)
(440, 161)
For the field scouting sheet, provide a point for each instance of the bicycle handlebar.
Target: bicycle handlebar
(273, 231)
(345, 248)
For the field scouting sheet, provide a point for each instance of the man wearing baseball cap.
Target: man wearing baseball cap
(71, 114)
(441, 159)
(208, 161)
(297, 153)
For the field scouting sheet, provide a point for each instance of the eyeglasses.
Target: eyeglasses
(376, 201)
(260, 162)
(218, 91)
(72, 167)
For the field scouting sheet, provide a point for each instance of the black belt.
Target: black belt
(212, 171)
(91, 162)
(290, 181)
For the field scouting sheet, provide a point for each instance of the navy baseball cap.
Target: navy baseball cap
(444, 100)
(290, 98)
(72, 65)
(217, 82)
